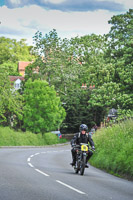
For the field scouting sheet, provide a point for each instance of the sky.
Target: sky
(23, 18)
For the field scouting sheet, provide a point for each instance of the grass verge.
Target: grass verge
(114, 149)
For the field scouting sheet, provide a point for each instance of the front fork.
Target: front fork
(81, 159)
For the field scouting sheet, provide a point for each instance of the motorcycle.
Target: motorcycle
(81, 155)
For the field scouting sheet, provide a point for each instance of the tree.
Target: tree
(12, 51)
(10, 102)
(120, 51)
(94, 71)
(77, 112)
(56, 61)
(42, 110)
(115, 90)
(90, 51)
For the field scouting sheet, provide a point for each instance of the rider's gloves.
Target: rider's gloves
(93, 148)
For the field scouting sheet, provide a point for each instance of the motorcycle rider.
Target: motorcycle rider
(82, 137)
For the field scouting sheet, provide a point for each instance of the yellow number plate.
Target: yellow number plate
(84, 148)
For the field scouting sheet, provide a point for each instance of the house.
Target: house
(16, 81)
(22, 65)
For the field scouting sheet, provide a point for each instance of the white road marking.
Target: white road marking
(72, 188)
(28, 160)
(30, 165)
(37, 154)
(41, 172)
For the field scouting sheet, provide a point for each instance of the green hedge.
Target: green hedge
(9, 137)
(114, 149)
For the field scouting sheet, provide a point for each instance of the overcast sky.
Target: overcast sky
(23, 18)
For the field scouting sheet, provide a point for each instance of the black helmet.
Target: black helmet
(83, 127)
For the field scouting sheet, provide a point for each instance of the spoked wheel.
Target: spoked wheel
(82, 167)
(76, 168)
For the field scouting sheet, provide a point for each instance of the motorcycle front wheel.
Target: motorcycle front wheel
(76, 168)
(82, 167)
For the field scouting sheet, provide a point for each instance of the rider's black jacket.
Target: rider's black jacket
(82, 138)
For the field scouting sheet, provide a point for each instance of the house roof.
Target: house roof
(23, 64)
(14, 78)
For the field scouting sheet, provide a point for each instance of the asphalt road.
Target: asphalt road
(45, 174)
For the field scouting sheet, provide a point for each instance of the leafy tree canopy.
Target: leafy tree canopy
(12, 51)
(120, 51)
(42, 111)
(10, 102)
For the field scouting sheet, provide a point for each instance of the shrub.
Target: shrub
(9, 137)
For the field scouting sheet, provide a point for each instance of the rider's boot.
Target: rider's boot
(86, 165)
(73, 162)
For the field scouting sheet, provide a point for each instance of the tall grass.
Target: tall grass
(9, 137)
(114, 149)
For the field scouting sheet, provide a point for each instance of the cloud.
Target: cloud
(126, 3)
(12, 31)
(69, 5)
(24, 22)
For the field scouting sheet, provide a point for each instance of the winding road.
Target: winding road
(45, 174)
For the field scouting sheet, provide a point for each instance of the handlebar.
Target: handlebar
(77, 146)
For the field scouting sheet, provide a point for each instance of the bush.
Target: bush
(50, 138)
(9, 137)
(114, 149)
